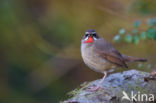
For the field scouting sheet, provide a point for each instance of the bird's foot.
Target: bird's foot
(154, 73)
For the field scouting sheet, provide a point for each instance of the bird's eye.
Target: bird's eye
(94, 35)
(87, 35)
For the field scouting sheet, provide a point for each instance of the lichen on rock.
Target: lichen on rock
(114, 87)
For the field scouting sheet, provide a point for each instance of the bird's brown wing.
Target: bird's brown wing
(108, 52)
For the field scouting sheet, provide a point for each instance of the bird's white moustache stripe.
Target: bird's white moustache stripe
(95, 38)
(86, 38)
(90, 32)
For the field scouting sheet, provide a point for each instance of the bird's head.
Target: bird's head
(90, 36)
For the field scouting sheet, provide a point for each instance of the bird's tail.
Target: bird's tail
(133, 59)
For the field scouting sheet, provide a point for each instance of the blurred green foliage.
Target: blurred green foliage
(144, 7)
(135, 35)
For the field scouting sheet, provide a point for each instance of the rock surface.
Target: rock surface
(137, 84)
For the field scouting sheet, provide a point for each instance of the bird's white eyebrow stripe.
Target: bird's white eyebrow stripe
(90, 32)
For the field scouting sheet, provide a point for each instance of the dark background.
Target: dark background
(40, 60)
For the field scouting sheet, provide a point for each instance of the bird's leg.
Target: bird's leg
(98, 86)
(153, 73)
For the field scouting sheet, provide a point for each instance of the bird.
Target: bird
(101, 56)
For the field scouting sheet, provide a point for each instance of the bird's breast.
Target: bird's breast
(93, 60)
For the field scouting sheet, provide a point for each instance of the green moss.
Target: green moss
(77, 90)
(138, 88)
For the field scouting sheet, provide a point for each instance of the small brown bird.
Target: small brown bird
(101, 56)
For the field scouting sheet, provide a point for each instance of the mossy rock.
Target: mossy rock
(114, 87)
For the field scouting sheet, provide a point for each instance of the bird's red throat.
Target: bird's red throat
(89, 40)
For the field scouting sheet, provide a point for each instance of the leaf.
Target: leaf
(135, 31)
(136, 40)
(140, 65)
(143, 35)
(151, 32)
(128, 38)
(137, 24)
(154, 36)
(149, 66)
(122, 31)
(150, 36)
(117, 38)
(152, 22)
